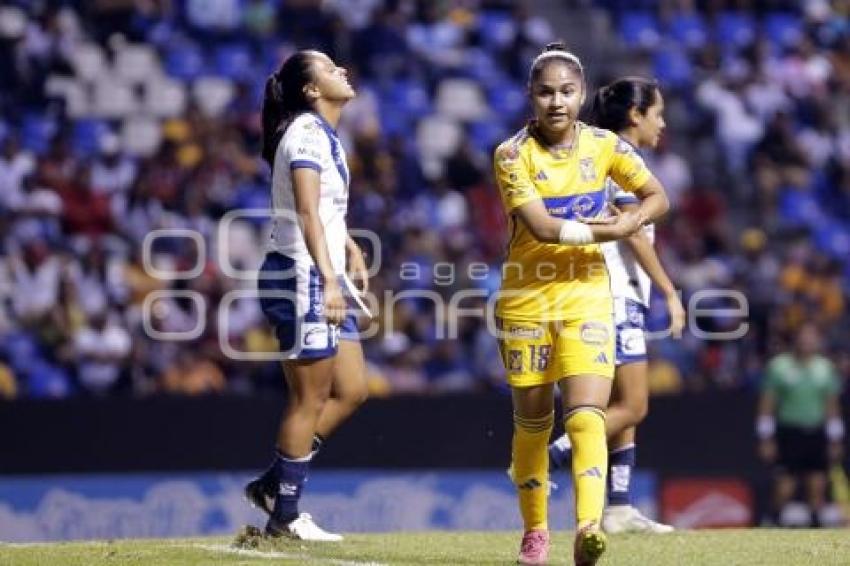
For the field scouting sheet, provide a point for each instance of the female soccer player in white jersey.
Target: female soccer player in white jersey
(554, 308)
(303, 282)
(633, 108)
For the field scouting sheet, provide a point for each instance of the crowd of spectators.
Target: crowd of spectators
(132, 193)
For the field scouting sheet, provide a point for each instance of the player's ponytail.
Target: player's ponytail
(283, 99)
(612, 103)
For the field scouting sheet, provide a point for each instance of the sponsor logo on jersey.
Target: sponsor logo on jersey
(634, 313)
(309, 152)
(632, 341)
(525, 333)
(288, 489)
(515, 361)
(587, 168)
(314, 336)
(583, 206)
(594, 333)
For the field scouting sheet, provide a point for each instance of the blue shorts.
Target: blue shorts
(292, 298)
(630, 318)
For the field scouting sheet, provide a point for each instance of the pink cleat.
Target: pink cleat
(534, 548)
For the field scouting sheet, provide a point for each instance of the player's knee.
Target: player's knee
(357, 395)
(585, 420)
(314, 400)
(360, 395)
(638, 409)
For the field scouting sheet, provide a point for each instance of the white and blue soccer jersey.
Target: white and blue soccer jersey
(291, 289)
(628, 278)
(310, 142)
(630, 286)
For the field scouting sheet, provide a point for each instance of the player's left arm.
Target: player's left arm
(628, 170)
(653, 200)
(648, 259)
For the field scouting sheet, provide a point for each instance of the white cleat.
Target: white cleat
(627, 519)
(302, 528)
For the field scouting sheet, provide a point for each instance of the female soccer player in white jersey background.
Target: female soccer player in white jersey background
(633, 108)
(302, 282)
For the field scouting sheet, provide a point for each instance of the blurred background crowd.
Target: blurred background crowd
(129, 135)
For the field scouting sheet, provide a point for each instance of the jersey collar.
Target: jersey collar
(324, 123)
(557, 151)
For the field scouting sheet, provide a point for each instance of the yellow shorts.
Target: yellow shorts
(535, 353)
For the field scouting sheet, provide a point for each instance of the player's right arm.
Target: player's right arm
(521, 199)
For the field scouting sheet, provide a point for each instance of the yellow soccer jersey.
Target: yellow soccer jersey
(545, 282)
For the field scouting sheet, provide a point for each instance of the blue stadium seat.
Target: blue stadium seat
(800, 208)
(507, 99)
(496, 28)
(44, 380)
(21, 350)
(234, 61)
(640, 29)
(408, 95)
(395, 121)
(735, 29)
(689, 30)
(401, 103)
(36, 132)
(833, 239)
(673, 68)
(87, 135)
(783, 29)
(185, 61)
(482, 67)
(486, 134)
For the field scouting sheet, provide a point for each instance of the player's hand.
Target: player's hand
(627, 223)
(767, 450)
(677, 314)
(335, 305)
(836, 452)
(357, 269)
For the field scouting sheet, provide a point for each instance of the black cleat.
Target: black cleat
(261, 495)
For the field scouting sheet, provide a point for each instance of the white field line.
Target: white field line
(272, 555)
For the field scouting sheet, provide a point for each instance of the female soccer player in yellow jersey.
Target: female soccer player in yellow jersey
(633, 108)
(554, 309)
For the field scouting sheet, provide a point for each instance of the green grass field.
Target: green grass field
(721, 547)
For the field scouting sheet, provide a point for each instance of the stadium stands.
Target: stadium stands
(107, 135)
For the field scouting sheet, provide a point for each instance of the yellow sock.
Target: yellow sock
(586, 428)
(531, 468)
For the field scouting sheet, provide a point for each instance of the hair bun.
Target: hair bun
(555, 46)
